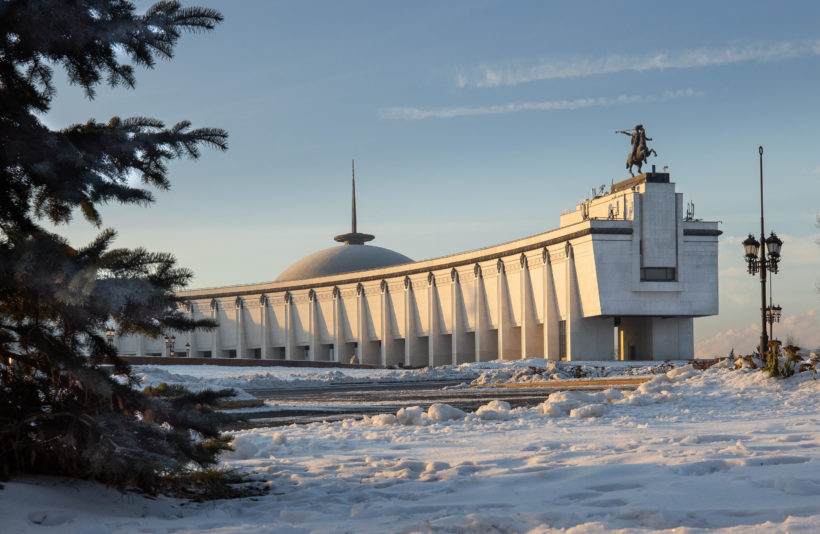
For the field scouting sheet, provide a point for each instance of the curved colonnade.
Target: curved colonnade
(593, 289)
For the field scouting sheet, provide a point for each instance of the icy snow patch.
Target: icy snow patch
(444, 412)
(590, 410)
(410, 416)
(494, 410)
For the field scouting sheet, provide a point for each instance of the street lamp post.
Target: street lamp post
(762, 264)
(169, 345)
(773, 316)
(772, 312)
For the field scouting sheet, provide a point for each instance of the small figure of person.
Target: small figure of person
(639, 140)
(642, 139)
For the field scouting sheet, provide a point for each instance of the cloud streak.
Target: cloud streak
(801, 329)
(493, 76)
(410, 113)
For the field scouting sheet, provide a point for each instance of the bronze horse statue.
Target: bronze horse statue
(640, 152)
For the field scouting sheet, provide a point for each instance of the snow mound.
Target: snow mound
(564, 402)
(382, 419)
(539, 370)
(154, 376)
(255, 444)
(412, 415)
(494, 410)
(444, 412)
(681, 373)
(612, 395)
(589, 410)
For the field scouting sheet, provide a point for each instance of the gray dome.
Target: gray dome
(342, 259)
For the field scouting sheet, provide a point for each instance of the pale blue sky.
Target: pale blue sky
(478, 122)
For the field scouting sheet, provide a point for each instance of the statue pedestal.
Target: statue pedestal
(629, 183)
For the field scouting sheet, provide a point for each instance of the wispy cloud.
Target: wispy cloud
(546, 69)
(801, 329)
(409, 113)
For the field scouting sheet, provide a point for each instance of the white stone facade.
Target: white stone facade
(621, 278)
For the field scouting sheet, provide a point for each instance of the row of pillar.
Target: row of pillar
(482, 344)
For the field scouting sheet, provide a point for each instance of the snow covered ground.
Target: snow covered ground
(688, 451)
(255, 378)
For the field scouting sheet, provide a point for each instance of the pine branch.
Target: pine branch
(61, 409)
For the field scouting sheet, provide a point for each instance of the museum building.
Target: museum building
(622, 277)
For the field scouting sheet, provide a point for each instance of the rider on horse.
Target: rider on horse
(639, 149)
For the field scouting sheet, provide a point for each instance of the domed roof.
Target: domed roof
(342, 259)
(354, 255)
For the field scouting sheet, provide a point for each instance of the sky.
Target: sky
(478, 122)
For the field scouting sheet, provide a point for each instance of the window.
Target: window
(562, 340)
(657, 274)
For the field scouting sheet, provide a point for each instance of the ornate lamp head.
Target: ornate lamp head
(773, 245)
(752, 247)
(773, 314)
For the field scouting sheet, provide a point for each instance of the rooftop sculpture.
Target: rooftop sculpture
(640, 152)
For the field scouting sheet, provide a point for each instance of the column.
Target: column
(411, 339)
(264, 328)
(189, 306)
(572, 315)
(551, 317)
(215, 341)
(434, 321)
(459, 343)
(289, 341)
(239, 320)
(366, 355)
(386, 333)
(313, 329)
(338, 327)
(529, 322)
(482, 332)
(504, 315)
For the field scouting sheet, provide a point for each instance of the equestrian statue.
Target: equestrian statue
(640, 152)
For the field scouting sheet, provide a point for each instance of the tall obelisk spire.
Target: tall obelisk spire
(354, 237)
(353, 172)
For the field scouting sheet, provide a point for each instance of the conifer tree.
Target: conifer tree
(62, 411)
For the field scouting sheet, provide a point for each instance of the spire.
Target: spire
(354, 237)
(353, 171)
